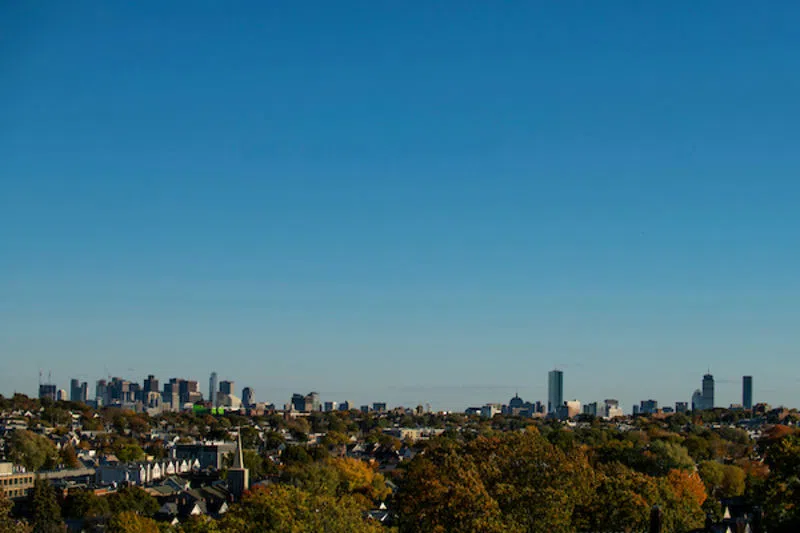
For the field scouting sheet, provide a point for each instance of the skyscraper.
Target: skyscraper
(212, 388)
(74, 390)
(708, 391)
(227, 387)
(248, 397)
(747, 392)
(151, 385)
(555, 390)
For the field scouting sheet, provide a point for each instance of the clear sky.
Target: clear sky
(403, 201)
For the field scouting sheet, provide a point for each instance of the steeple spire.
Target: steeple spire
(238, 460)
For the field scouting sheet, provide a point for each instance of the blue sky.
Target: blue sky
(407, 202)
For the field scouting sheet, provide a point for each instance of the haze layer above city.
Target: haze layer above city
(406, 203)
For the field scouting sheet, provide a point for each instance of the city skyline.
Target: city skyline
(555, 389)
(404, 204)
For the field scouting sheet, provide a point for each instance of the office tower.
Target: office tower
(681, 407)
(379, 407)
(101, 393)
(226, 387)
(648, 407)
(74, 390)
(48, 391)
(150, 385)
(313, 397)
(61, 395)
(697, 400)
(84, 396)
(708, 391)
(333, 406)
(212, 388)
(298, 402)
(555, 391)
(747, 392)
(248, 397)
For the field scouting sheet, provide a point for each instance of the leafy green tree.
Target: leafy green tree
(86, 504)
(133, 499)
(45, 511)
(443, 492)
(200, 524)
(130, 452)
(132, 522)
(33, 451)
(722, 481)
(68, 457)
(284, 509)
(9, 524)
(622, 502)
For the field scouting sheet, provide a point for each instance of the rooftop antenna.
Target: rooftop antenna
(40, 377)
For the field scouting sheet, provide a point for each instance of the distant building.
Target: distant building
(570, 409)
(150, 385)
(379, 407)
(345, 406)
(648, 407)
(681, 407)
(611, 409)
(697, 400)
(101, 393)
(78, 392)
(491, 409)
(48, 391)
(212, 389)
(228, 400)
(62, 395)
(330, 406)
(227, 387)
(248, 397)
(747, 392)
(708, 391)
(305, 404)
(590, 409)
(555, 391)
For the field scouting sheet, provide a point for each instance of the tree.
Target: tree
(200, 524)
(358, 477)
(9, 524)
(46, 514)
(622, 502)
(722, 481)
(86, 504)
(284, 509)
(33, 451)
(68, 457)
(132, 522)
(444, 492)
(133, 499)
(130, 452)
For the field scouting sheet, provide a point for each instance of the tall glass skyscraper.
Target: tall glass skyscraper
(747, 392)
(708, 391)
(555, 390)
